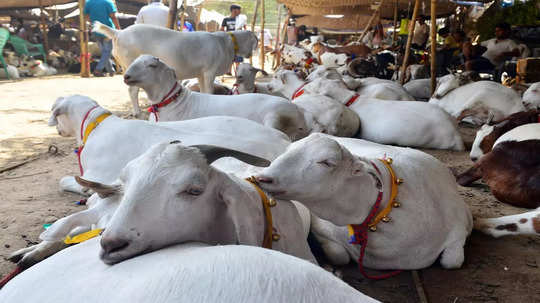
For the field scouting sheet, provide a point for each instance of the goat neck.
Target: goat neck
(77, 116)
(158, 91)
(292, 86)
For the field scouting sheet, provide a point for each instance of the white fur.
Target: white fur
(475, 101)
(157, 79)
(197, 54)
(405, 123)
(524, 227)
(181, 273)
(531, 97)
(476, 151)
(12, 72)
(333, 60)
(335, 178)
(524, 132)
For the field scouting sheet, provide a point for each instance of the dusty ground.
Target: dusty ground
(495, 270)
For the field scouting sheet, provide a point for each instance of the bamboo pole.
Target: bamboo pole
(85, 64)
(282, 40)
(44, 30)
(198, 20)
(394, 34)
(277, 35)
(412, 24)
(370, 22)
(173, 11)
(433, 45)
(255, 11)
(183, 17)
(261, 59)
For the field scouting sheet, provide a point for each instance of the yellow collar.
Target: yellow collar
(269, 235)
(383, 215)
(235, 43)
(92, 125)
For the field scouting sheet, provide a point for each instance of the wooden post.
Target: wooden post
(282, 40)
(173, 10)
(261, 59)
(255, 11)
(198, 17)
(277, 35)
(370, 22)
(183, 17)
(44, 30)
(394, 34)
(83, 37)
(412, 24)
(433, 45)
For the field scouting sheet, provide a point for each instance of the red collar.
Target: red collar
(84, 120)
(166, 100)
(298, 92)
(352, 100)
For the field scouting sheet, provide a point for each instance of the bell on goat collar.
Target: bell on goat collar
(389, 160)
(272, 202)
(386, 219)
(399, 181)
(275, 237)
(396, 204)
(373, 228)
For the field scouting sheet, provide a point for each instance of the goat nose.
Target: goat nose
(264, 179)
(110, 245)
(474, 159)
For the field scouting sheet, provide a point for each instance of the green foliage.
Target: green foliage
(521, 13)
(270, 10)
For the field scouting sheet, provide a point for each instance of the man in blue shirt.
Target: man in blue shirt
(103, 11)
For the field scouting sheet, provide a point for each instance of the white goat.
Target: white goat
(196, 54)
(322, 114)
(172, 102)
(245, 80)
(13, 73)
(475, 101)
(405, 123)
(333, 60)
(531, 97)
(340, 179)
(527, 223)
(181, 273)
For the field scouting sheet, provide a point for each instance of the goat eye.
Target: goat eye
(326, 163)
(194, 191)
(152, 65)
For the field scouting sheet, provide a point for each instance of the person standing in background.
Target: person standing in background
(232, 23)
(103, 11)
(421, 33)
(155, 13)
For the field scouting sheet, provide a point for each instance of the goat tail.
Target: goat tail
(105, 30)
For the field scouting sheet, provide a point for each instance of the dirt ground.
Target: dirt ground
(495, 270)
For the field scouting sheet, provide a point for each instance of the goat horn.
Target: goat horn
(212, 153)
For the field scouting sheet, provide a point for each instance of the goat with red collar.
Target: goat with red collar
(173, 102)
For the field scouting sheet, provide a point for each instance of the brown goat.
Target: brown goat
(358, 50)
(512, 172)
(507, 124)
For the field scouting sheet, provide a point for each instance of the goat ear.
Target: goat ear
(246, 217)
(57, 109)
(283, 78)
(360, 167)
(212, 153)
(490, 118)
(102, 190)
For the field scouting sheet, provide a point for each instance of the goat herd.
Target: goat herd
(266, 166)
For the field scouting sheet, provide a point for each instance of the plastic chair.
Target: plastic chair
(4, 36)
(23, 47)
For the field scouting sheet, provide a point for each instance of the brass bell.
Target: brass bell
(396, 204)
(272, 202)
(399, 181)
(275, 237)
(389, 160)
(373, 228)
(386, 219)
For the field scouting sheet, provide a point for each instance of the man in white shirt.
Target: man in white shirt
(421, 33)
(498, 50)
(155, 13)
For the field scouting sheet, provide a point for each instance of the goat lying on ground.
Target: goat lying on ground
(195, 54)
(181, 273)
(405, 123)
(511, 170)
(491, 131)
(172, 102)
(341, 179)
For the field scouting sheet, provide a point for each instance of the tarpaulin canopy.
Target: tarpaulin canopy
(37, 3)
